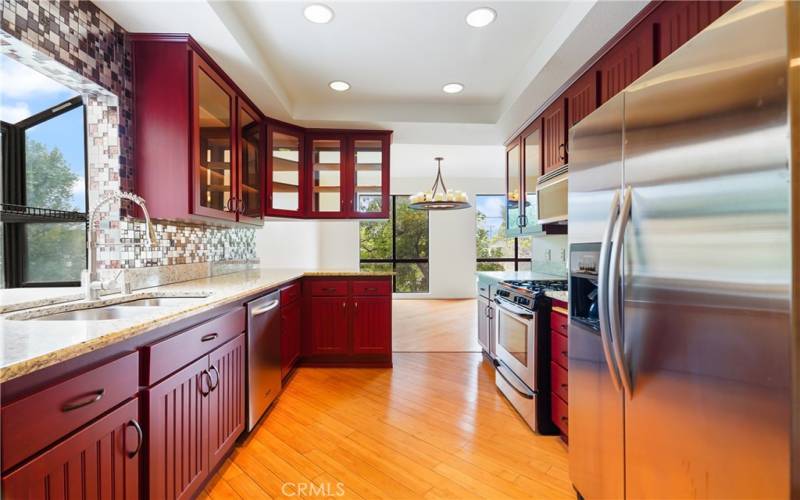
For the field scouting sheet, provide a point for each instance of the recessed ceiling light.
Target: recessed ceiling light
(481, 17)
(453, 88)
(318, 13)
(339, 85)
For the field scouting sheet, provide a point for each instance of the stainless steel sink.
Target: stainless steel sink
(159, 302)
(97, 314)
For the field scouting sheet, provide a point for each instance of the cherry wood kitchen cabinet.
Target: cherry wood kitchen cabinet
(350, 321)
(581, 97)
(291, 313)
(678, 21)
(514, 189)
(554, 136)
(285, 171)
(559, 368)
(627, 61)
(532, 152)
(199, 146)
(372, 329)
(348, 174)
(99, 461)
(226, 398)
(329, 325)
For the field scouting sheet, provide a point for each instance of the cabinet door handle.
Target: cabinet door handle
(209, 337)
(243, 206)
(355, 305)
(203, 375)
(139, 437)
(96, 396)
(562, 151)
(344, 305)
(216, 384)
(229, 205)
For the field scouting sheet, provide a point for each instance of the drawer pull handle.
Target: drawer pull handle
(209, 337)
(371, 289)
(96, 396)
(139, 437)
(564, 386)
(329, 289)
(216, 384)
(563, 418)
(564, 353)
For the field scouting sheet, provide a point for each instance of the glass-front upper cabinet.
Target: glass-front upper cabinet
(531, 170)
(513, 188)
(327, 167)
(248, 200)
(285, 171)
(214, 176)
(370, 156)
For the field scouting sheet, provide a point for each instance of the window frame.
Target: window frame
(15, 248)
(516, 259)
(394, 260)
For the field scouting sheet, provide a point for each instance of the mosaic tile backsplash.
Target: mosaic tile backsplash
(77, 44)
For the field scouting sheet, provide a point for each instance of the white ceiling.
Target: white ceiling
(396, 55)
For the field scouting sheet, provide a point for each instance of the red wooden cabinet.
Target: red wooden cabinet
(559, 366)
(348, 174)
(554, 136)
(177, 408)
(626, 61)
(226, 398)
(678, 21)
(290, 335)
(199, 153)
(99, 461)
(372, 325)
(285, 171)
(581, 97)
(329, 325)
(194, 418)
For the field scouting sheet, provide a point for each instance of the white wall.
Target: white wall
(288, 244)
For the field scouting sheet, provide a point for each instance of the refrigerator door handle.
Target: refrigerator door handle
(602, 291)
(615, 274)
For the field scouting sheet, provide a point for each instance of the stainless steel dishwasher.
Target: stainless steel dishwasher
(263, 355)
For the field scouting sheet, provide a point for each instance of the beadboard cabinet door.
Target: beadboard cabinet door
(290, 335)
(581, 97)
(178, 426)
(329, 325)
(372, 325)
(554, 136)
(99, 461)
(627, 61)
(226, 398)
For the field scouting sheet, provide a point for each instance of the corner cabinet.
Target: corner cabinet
(199, 143)
(285, 171)
(348, 174)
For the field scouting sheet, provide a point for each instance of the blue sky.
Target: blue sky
(492, 207)
(25, 92)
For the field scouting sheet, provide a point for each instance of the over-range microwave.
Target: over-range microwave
(552, 193)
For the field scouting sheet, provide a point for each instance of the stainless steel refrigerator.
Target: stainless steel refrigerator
(683, 234)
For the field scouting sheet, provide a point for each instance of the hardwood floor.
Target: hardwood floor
(435, 325)
(434, 426)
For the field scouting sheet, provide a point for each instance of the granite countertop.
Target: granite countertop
(26, 346)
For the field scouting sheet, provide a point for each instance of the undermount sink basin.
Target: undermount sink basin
(159, 302)
(96, 314)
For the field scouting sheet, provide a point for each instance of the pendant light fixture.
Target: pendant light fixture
(439, 198)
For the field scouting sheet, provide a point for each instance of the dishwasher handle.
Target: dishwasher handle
(261, 310)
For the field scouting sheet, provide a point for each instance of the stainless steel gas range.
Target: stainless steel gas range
(523, 348)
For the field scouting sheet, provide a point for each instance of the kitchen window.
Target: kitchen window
(398, 244)
(496, 251)
(44, 180)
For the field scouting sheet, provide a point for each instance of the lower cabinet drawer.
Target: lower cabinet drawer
(31, 424)
(328, 288)
(559, 412)
(558, 349)
(372, 287)
(168, 355)
(559, 323)
(558, 381)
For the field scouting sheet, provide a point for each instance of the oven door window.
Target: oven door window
(513, 336)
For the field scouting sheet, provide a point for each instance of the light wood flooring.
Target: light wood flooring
(433, 427)
(435, 325)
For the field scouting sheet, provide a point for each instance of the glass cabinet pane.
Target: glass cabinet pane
(533, 167)
(285, 171)
(513, 165)
(250, 187)
(368, 178)
(326, 186)
(214, 119)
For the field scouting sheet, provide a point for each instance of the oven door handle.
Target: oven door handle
(498, 368)
(513, 309)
